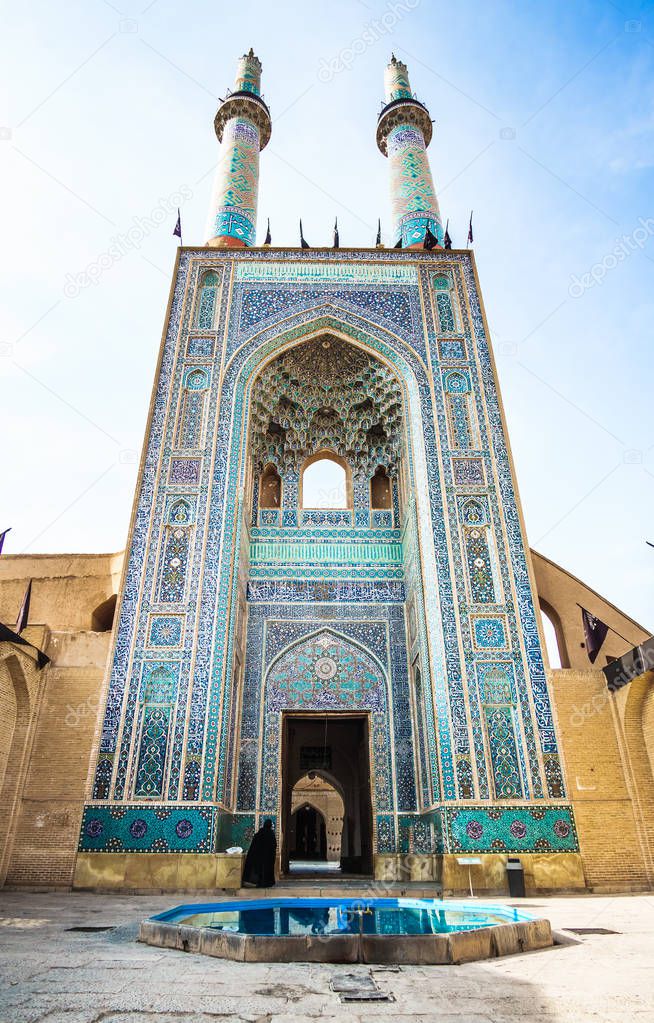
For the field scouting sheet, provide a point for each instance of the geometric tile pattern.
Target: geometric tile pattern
(510, 829)
(489, 633)
(139, 828)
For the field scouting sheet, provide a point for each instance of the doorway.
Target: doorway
(307, 838)
(326, 815)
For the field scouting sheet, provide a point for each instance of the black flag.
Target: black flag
(336, 239)
(178, 227)
(303, 242)
(447, 241)
(470, 237)
(24, 612)
(267, 239)
(430, 240)
(595, 632)
(7, 636)
(2, 538)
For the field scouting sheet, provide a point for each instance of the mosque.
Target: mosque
(327, 612)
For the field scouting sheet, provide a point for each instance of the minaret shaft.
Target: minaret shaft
(243, 127)
(404, 131)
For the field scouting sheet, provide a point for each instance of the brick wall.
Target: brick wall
(611, 836)
(48, 816)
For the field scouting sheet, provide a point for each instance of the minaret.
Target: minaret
(404, 131)
(243, 127)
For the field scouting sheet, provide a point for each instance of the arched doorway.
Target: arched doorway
(341, 794)
(307, 835)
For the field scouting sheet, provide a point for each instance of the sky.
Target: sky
(544, 126)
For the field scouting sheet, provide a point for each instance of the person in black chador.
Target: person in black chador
(259, 866)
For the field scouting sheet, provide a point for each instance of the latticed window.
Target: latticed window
(206, 307)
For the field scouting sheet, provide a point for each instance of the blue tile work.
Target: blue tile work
(165, 631)
(468, 472)
(451, 350)
(200, 347)
(139, 828)
(185, 470)
(153, 746)
(334, 657)
(489, 633)
(176, 568)
(512, 829)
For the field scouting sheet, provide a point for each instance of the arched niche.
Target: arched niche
(325, 481)
(381, 490)
(557, 653)
(102, 619)
(270, 488)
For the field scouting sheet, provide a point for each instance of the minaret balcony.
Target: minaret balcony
(249, 106)
(403, 111)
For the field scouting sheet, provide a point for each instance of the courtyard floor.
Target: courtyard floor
(49, 974)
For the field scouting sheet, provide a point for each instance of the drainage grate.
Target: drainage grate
(366, 996)
(591, 930)
(89, 930)
(358, 987)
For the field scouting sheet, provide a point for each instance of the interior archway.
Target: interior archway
(311, 839)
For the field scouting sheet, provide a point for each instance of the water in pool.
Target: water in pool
(341, 916)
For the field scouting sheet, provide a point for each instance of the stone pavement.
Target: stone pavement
(49, 974)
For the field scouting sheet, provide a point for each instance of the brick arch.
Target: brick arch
(559, 633)
(638, 723)
(16, 713)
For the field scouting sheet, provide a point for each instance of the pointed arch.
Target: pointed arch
(425, 508)
(344, 497)
(205, 310)
(180, 513)
(286, 661)
(473, 512)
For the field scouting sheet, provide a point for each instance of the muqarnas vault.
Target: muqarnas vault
(378, 650)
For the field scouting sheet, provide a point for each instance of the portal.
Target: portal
(326, 801)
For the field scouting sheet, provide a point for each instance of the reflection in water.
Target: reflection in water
(306, 917)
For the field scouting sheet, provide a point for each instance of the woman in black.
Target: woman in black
(259, 866)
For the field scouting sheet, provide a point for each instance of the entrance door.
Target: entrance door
(326, 768)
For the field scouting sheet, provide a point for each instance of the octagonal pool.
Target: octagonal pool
(347, 930)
